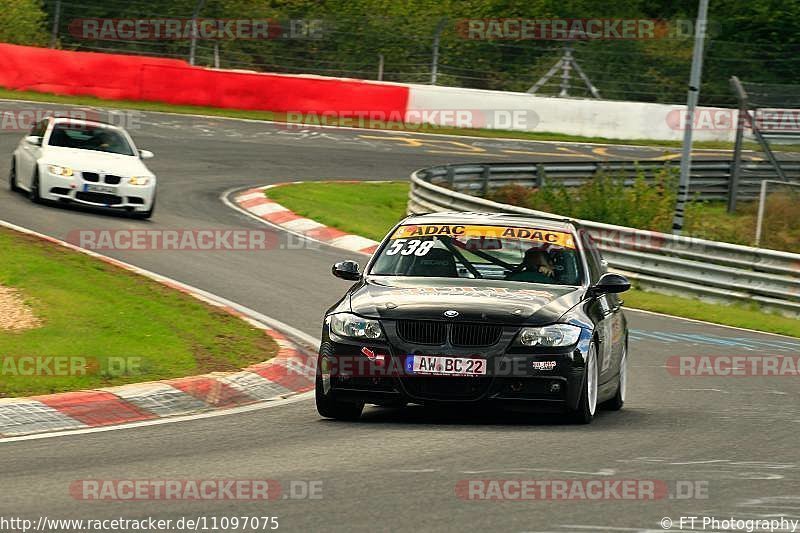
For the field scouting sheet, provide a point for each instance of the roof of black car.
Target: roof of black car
(493, 219)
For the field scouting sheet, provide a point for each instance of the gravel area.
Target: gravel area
(14, 314)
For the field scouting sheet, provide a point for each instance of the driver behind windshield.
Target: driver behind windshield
(104, 141)
(536, 267)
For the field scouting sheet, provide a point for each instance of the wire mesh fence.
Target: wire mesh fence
(424, 48)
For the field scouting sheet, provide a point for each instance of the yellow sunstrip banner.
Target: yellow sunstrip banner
(498, 232)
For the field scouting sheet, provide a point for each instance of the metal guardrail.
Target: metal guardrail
(711, 270)
(710, 179)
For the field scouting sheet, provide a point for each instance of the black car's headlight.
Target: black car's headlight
(353, 326)
(550, 336)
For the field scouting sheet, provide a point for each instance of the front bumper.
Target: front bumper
(73, 189)
(516, 379)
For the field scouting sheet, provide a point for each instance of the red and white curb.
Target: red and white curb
(289, 373)
(255, 202)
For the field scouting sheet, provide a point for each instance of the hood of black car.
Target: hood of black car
(473, 300)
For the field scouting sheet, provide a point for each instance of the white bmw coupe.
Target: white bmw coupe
(84, 162)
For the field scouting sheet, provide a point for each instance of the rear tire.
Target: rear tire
(587, 406)
(12, 176)
(33, 194)
(329, 407)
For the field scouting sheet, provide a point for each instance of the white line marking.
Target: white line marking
(212, 414)
(302, 224)
(266, 209)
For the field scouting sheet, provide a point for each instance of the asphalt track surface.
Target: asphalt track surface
(397, 469)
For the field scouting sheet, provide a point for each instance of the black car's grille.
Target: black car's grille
(99, 198)
(475, 334)
(422, 331)
(112, 179)
(91, 176)
(435, 333)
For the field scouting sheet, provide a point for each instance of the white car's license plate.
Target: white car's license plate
(99, 188)
(445, 366)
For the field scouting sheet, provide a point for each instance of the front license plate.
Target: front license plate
(99, 188)
(446, 366)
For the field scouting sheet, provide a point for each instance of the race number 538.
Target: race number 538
(408, 247)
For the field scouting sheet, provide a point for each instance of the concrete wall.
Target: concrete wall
(587, 117)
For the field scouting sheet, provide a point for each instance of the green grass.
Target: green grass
(366, 209)
(393, 126)
(96, 311)
(371, 209)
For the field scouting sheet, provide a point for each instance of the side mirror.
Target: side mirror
(33, 139)
(610, 284)
(146, 154)
(346, 270)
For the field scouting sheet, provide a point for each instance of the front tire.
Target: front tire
(12, 176)
(146, 214)
(587, 406)
(34, 194)
(328, 406)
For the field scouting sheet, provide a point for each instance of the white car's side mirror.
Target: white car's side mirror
(146, 154)
(33, 139)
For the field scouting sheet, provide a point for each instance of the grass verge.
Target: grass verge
(117, 326)
(392, 126)
(371, 209)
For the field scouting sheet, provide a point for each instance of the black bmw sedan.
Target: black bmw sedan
(476, 308)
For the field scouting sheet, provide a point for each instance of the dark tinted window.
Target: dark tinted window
(86, 137)
(39, 128)
(593, 256)
(525, 255)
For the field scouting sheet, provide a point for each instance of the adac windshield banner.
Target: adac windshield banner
(557, 238)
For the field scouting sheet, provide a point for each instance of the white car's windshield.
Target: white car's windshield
(490, 252)
(87, 137)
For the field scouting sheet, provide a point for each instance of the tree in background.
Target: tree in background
(756, 40)
(23, 22)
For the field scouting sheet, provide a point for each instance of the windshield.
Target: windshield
(526, 255)
(88, 137)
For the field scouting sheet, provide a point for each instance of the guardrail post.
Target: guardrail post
(451, 177)
(539, 177)
(736, 163)
(485, 177)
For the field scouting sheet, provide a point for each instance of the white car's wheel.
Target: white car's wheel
(146, 214)
(587, 406)
(33, 193)
(12, 176)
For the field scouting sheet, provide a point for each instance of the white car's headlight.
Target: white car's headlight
(60, 171)
(138, 180)
(551, 336)
(348, 325)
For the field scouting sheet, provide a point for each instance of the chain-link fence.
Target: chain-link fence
(418, 47)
